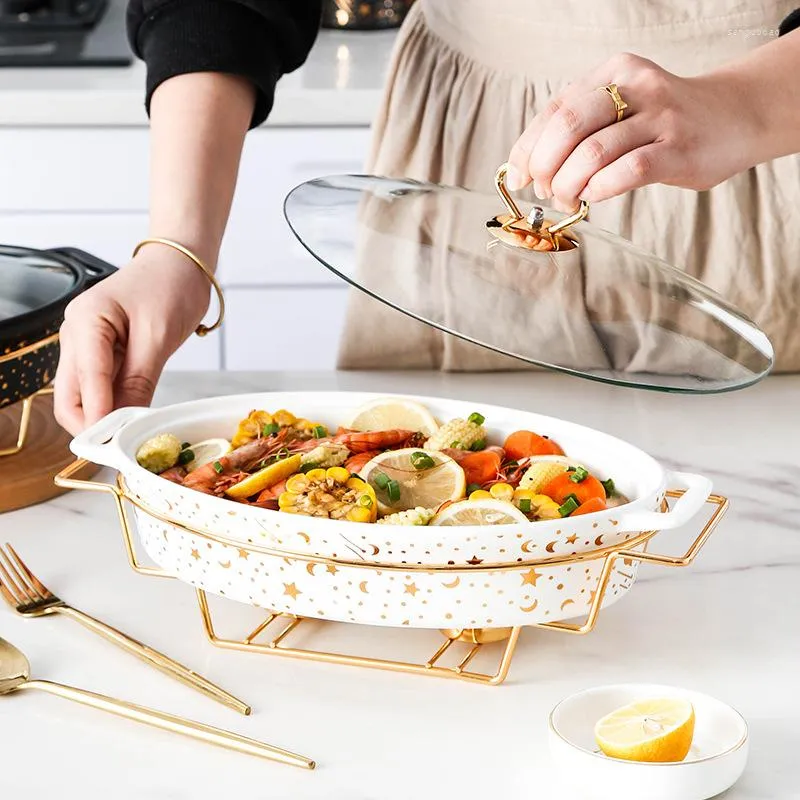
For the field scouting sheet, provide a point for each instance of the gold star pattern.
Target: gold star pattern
(475, 561)
(195, 554)
(411, 588)
(291, 590)
(592, 595)
(572, 539)
(332, 569)
(530, 577)
(245, 554)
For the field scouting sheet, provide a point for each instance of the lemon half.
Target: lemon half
(386, 413)
(656, 730)
(479, 512)
(206, 451)
(426, 487)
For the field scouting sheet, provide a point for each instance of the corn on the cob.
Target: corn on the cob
(414, 516)
(540, 474)
(331, 493)
(325, 455)
(459, 433)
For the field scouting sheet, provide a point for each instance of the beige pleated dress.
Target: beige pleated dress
(468, 75)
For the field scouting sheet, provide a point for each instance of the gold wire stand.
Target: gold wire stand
(476, 639)
(24, 422)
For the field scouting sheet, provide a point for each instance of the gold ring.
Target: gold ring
(619, 104)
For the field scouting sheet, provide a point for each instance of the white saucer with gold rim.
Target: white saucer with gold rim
(715, 762)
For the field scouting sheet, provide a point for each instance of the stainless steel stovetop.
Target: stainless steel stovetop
(63, 33)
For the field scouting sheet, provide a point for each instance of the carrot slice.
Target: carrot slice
(589, 507)
(522, 444)
(562, 486)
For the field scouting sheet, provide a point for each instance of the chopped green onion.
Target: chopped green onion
(218, 468)
(609, 487)
(473, 487)
(308, 467)
(381, 480)
(455, 445)
(282, 453)
(525, 505)
(570, 504)
(319, 432)
(420, 460)
(479, 445)
(356, 475)
(185, 456)
(185, 445)
(393, 490)
(579, 474)
(476, 419)
(365, 500)
(571, 469)
(269, 429)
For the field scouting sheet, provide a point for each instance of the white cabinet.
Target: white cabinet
(284, 329)
(88, 188)
(259, 247)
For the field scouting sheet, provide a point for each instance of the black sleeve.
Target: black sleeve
(790, 23)
(258, 39)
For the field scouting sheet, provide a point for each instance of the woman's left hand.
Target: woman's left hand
(688, 132)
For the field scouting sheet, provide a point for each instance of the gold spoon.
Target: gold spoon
(15, 674)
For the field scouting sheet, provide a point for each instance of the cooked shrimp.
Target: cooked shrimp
(362, 441)
(207, 478)
(356, 463)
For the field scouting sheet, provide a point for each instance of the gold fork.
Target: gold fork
(29, 597)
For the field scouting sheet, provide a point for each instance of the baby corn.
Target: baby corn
(325, 455)
(458, 433)
(540, 474)
(414, 516)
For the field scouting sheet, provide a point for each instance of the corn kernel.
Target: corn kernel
(358, 484)
(501, 491)
(284, 417)
(545, 507)
(338, 474)
(286, 500)
(297, 483)
(359, 514)
(315, 475)
(480, 494)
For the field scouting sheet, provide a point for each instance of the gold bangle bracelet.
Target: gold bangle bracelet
(200, 330)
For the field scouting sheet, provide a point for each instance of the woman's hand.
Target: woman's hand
(118, 335)
(688, 132)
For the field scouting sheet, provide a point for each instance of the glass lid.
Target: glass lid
(30, 280)
(547, 289)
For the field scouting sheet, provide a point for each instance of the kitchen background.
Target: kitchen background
(74, 161)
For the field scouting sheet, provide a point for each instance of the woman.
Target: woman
(699, 170)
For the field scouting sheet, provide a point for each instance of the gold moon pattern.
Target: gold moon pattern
(304, 536)
(529, 608)
(525, 546)
(566, 603)
(310, 567)
(550, 547)
(375, 550)
(225, 564)
(599, 540)
(363, 587)
(453, 584)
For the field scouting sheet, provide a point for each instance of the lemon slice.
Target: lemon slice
(484, 511)
(656, 730)
(208, 450)
(265, 478)
(385, 413)
(413, 477)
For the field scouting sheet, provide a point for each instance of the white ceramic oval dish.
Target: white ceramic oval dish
(114, 441)
(715, 762)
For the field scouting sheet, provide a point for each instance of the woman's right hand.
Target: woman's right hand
(117, 336)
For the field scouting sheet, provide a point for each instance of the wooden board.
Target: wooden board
(26, 478)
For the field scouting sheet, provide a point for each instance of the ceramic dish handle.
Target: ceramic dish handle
(96, 443)
(697, 490)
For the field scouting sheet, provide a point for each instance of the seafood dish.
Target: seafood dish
(391, 462)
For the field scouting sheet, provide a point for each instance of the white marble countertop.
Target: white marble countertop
(723, 626)
(340, 84)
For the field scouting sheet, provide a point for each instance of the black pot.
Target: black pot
(35, 288)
